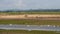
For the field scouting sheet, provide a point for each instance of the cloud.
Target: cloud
(17, 3)
(11, 4)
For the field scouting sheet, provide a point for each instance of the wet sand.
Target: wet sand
(31, 16)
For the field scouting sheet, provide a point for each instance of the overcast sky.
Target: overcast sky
(29, 4)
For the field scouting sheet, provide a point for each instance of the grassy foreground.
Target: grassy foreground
(26, 32)
(30, 22)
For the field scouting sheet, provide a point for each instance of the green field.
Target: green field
(30, 22)
(27, 32)
(16, 13)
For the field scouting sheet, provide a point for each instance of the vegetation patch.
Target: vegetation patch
(30, 22)
(26, 32)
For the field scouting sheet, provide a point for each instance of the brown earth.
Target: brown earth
(31, 16)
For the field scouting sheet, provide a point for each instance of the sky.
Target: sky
(29, 4)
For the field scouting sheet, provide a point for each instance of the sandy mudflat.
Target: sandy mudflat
(30, 16)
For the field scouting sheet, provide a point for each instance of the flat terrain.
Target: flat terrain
(30, 22)
(27, 32)
(15, 18)
(31, 16)
(30, 27)
(18, 13)
(34, 21)
(30, 19)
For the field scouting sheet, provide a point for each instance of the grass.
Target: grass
(26, 32)
(16, 13)
(30, 22)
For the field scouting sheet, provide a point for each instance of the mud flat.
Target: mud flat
(31, 16)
